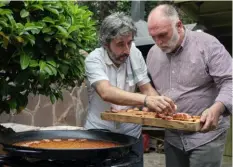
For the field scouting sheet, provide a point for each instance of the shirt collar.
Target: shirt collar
(107, 60)
(185, 40)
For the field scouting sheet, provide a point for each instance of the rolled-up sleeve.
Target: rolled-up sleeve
(220, 68)
(95, 69)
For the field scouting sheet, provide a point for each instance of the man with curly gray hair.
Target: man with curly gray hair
(114, 71)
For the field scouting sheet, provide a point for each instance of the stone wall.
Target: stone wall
(40, 112)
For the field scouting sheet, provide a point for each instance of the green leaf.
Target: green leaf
(54, 11)
(29, 38)
(46, 29)
(37, 6)
(1, 4)
(19, 39)
(62, 30)
(72, 28)
(24, 13)
(52, 98)
(5, 40)
(2, 22)
(35, 29)
(66, 25)
(51, 62)
(53, 69)
(24, 60)
(48, 20)
(12, 103)
(12, 21)
(33, 63)
(42, 65)
(5, 11)
(72, 45)
(19, 27)
(64, 68)
(48, 69)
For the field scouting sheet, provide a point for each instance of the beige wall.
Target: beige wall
(40, 111)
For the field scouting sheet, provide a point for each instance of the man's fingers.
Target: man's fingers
(169, 103)
(158, 109)
(145, 109)
(207, 124)
(162, 106)
(203, 119)
(172, 104)
(168, 100)
(165, 106)
(175, 107)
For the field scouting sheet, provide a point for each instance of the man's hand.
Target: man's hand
(160, 104)
(210, 117)
(209, 120)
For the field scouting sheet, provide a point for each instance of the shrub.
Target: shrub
(39, 49)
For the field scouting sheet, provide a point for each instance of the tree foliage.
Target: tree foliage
(39, 45)
(101, 9)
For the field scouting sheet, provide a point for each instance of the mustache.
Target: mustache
(124, 55)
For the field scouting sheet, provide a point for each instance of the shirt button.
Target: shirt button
(172, 88)
(173, 72)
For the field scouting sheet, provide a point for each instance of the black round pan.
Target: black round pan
(125, 142)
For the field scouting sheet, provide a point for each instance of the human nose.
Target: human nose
(127, 49)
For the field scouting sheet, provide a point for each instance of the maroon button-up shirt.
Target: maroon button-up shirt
(198, 74)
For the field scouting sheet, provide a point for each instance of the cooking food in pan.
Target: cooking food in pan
(67, 144)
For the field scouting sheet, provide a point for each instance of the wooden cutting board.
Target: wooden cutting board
(150, 120)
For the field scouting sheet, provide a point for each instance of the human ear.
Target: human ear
(179, 26)
(106, 46)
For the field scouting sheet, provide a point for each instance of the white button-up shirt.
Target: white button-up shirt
(100, 67)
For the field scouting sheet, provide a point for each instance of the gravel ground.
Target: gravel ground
(154, 159)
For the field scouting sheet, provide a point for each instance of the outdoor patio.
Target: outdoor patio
(154, 159)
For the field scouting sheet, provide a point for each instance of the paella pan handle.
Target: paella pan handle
(5, 132)
(11, 149)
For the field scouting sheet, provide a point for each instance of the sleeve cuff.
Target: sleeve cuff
(144, 81)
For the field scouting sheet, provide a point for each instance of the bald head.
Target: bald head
(165, 27)
(164, 11)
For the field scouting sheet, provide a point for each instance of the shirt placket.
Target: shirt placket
(173, 91)
(172, 76)
(182, 137)
(118, 84)
(184, 141)
(119, 80)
